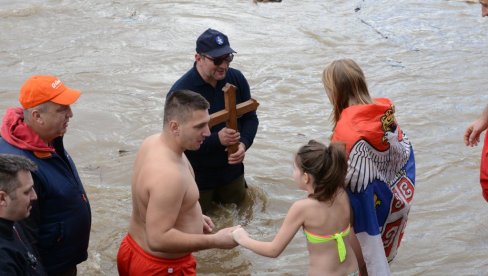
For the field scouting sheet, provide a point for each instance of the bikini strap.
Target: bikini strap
(339, 237)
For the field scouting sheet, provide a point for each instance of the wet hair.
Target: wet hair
(345, 85)
(180, 105)
(327, 166)
(10, 165)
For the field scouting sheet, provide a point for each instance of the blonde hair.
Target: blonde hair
(345, 85)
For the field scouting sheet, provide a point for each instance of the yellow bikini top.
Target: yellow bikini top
(341, 247)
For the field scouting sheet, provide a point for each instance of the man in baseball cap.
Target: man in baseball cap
(36, 131)
(214, 44)
(219, 176)
(40, 89)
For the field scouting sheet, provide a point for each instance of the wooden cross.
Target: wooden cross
(232, 112)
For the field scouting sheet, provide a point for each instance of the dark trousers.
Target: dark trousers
(72, 271)
(234, 192)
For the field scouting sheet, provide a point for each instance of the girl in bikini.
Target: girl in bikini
(324, 214)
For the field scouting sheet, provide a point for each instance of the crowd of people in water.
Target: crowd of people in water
(358, 188)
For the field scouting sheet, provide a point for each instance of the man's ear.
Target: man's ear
(198, 57)
(35, 116)
(174, 127)
(3, 198)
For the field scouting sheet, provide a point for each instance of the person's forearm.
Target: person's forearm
(262, 248)
(481, 123)
(484, 114)
(175, 241)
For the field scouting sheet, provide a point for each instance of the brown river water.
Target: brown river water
(429, 57)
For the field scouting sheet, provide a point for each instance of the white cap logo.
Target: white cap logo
(56, 83)
(219, 40)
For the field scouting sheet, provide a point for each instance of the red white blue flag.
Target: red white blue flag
(380, 179)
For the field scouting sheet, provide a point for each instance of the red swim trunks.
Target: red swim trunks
(133, 261)
(484, 169)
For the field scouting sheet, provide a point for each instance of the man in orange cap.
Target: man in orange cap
(60, 220)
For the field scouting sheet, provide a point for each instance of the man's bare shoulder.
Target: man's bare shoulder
(157, 164)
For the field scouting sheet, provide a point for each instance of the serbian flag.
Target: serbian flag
(380, 179)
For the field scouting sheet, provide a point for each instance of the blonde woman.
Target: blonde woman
(381, 164)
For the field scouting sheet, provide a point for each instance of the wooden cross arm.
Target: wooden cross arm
(223, 115)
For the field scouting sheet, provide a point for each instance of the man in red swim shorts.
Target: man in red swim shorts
(167, 223)
(134, 261)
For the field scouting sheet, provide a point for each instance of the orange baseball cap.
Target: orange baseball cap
(40, 89)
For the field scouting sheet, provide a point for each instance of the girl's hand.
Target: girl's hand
(239, 234)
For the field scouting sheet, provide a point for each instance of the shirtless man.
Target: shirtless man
(167, 223)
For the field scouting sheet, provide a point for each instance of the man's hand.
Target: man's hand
(471, 137)
(484, 7)
(228, 136)
(472, 133)
(224, 239)
(238, 156)
(208, 225)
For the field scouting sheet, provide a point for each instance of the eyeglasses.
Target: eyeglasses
(219, 60)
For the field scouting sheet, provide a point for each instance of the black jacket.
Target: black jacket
(210, 162)
(60, 221)
(16, 255)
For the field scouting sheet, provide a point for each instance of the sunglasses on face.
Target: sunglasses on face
(219, 60)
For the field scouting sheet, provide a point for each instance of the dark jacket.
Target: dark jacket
(60, 220)
(16, 255)
(210, 162)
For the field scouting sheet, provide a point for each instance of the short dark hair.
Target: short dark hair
(327, 165)
(181, 103)
(10, 165)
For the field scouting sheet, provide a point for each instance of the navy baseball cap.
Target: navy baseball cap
(213, 43)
